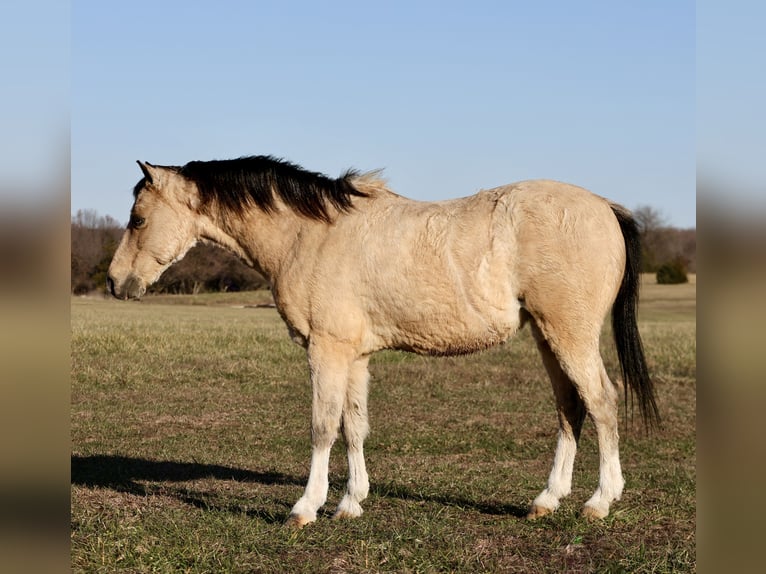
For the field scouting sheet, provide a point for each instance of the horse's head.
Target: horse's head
(162, 228)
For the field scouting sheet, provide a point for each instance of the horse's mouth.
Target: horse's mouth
(131, 288)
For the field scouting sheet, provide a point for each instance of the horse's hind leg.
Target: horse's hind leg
(603, 410)
(571, 413)
(329, 366)
(355, 428)
(577, 369)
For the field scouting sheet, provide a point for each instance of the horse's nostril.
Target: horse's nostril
(110, 286)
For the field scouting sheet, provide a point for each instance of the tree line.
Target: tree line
(207, 268)
(667, 251)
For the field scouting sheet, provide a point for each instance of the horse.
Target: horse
(355, 268)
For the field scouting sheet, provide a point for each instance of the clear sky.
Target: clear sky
(449, 97)
(731, 91)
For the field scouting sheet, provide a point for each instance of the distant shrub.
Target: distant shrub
(672, 273)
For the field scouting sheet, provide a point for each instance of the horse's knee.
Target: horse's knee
(355, 426)
(324, 431)
(327, 409)
(355, 419)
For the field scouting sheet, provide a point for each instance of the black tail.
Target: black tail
(630, 350)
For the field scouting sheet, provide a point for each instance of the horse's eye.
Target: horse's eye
(136, 221)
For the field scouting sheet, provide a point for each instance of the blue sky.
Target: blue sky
(34, 100)
(448, 97)
(731, 91)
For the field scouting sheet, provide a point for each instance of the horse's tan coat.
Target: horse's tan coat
(439, 278)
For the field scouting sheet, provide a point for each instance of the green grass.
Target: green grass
(190, 443)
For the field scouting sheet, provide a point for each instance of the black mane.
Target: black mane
(236, 184)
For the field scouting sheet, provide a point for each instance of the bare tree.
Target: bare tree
(661, 243)
(649, 219)
(93, 241)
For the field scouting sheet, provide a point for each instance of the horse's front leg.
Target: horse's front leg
(329, 366)
(355, 429)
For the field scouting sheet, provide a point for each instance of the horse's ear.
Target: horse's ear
(148, 171)
(145, 170)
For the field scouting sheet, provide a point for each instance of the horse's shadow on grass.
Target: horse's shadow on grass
(389, 490)
(144, 477)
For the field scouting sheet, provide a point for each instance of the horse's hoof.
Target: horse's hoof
(593, 513)
(538, 512)
(348, 508)
(296, 521)
(344, 515)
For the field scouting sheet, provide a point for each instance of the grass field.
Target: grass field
(190, 443)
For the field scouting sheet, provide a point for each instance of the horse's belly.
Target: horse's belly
(454, 333)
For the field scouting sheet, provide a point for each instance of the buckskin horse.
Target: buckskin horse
(355, 268)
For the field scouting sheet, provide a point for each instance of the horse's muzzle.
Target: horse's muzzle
(131, 288)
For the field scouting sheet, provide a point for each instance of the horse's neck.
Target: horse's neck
(262, 240)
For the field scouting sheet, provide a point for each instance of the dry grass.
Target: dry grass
(190, 444)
